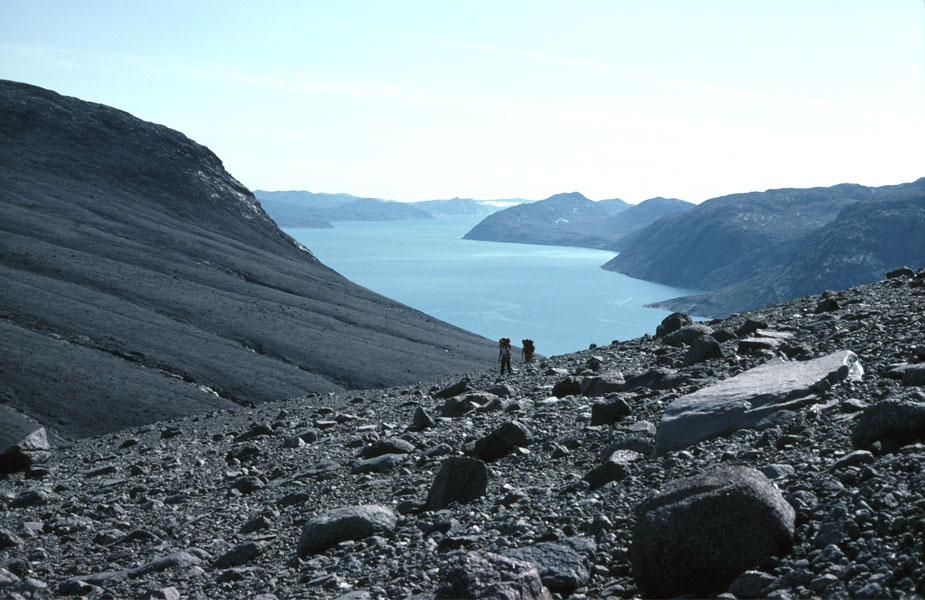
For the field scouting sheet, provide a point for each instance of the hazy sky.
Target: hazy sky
(433, 99)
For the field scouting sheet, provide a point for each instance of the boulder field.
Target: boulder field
(578, 476)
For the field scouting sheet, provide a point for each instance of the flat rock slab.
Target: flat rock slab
(742, 401)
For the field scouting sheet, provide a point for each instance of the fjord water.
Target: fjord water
(557, 296)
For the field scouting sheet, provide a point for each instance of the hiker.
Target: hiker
(528, 350)
(504, 353)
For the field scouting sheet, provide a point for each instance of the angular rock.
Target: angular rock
(699, 533)
(460, 387)
(341, 524)
(687, 334)
(608, 412)
(176, 560)
(238, 555)
(458, 406)
(750, 584)
(564, 565)
(616, 467)
(570, 386)
(750, 326)
(756, 344)
(653, 379)
(248, 484)
(8, 539)
(387, 446)
(501, 441)
(421, 420)
(827, 305)
(461, 479)
(900, 272)
(488, 575)
(671, 323)
(703, 348)
(896, 422)
(378, 464)
(744, 400)
(30, 451)
(914, 375)
(603, 384)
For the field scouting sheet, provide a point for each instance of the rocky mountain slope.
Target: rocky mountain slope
(776, 453)
(573, 220)
(752, 249)
(142, 282)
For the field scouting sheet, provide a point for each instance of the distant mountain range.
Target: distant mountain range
(744, 250)
(573, 220)
(142, 282)
(318, 210)
(749, 250)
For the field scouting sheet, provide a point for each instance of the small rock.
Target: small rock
(501, 441)
(672, 323)
(460, 479)
(238, 555)
(609, 412)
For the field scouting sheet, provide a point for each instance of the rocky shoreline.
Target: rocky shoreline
(537, 485)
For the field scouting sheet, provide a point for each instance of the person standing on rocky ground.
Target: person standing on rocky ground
(504, 353)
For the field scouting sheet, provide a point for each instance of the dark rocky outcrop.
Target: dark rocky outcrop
(142, 282)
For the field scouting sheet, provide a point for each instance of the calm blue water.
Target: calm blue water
(559, 297)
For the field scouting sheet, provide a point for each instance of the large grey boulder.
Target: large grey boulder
(564, 565)
(341, 524)
(488, 575)
(742, 401)
(697, 534)
(29, 451)
(460, 479)
(894, 421)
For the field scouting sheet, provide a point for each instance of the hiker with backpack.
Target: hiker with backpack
(529, 350)
(504, 353)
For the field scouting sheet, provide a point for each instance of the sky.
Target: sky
(420, 100)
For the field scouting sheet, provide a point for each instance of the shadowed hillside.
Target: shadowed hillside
(143, 282)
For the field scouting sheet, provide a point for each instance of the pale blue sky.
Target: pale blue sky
(421, 100)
